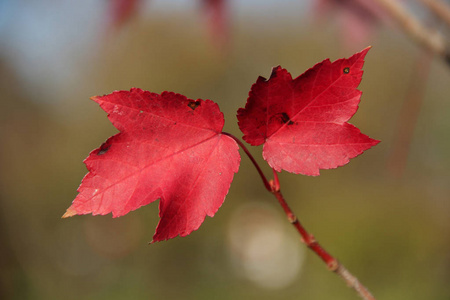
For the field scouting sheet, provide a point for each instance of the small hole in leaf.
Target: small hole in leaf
(194, 104)
(346, 70)
(103, 149)
(285, 118)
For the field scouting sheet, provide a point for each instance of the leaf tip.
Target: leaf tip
(156, 240)
(277, 71)
(365, 50)
(69, 213)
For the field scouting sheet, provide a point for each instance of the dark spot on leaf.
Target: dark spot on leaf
(285, 118)
(103, 149)
(193, 104)
(346, 70)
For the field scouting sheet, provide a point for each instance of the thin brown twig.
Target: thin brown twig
(431, 40)
(273, 186)
(439, 8)
(332, 263)
(409, 113)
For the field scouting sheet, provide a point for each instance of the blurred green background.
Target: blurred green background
(387, 223)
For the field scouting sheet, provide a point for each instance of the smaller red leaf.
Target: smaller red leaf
(169, 148)
(302, 122)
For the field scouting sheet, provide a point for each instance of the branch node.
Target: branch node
(311, 240)
(292, 218)
(333, 265)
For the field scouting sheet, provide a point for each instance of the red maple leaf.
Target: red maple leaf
(302, 122)
(169, 148)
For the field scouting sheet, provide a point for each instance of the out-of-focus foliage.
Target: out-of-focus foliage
(392, 234)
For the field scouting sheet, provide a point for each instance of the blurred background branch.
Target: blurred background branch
(430, 39)
(439, 8)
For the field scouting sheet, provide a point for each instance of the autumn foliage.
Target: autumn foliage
(169, 148)
(172, 148)
(302, 122)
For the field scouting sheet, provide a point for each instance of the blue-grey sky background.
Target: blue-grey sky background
(44, 41)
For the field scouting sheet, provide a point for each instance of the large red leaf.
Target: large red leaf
(169, 147)
(302, 122)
